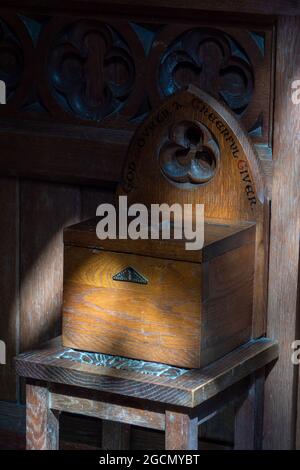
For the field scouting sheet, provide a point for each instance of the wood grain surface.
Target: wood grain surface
(158, 322)
(46, 209)
(108, 411)
(220, 236)
(187, 315)
(280, 398)
(41, 422)
(9, 282)
(49, 158)
(181, 431)
(227, 308)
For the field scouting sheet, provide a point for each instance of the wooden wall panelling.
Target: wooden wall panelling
(12, 417)
(91, 198)
(45, 210)
(280, 396)
(9, 282)
(64, 131)
(148, 63)
(66, 156)
(115, 436)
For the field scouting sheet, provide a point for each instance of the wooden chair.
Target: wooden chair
(153, 396)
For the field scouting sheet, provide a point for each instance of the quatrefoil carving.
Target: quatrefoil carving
(91, 70)
(190, 155)
(212, 61)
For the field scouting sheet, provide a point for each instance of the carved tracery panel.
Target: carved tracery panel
(91, 70)
(213, 62)
(112, 73)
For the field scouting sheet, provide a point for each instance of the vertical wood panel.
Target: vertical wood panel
(298, 337)
(219, 428)
(9, 283)
(91, 198)
(45, 210)
(115, 436)
(249, 416)
(280, 397)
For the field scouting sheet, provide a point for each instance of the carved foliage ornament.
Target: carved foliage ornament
(211, 60)
(189, 155)
(91, 70)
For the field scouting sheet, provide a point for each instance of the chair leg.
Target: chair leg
(181, 431)
(42, 423)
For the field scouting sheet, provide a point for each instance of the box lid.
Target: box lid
(220, 236)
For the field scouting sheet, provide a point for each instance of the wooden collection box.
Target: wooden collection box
(153, 300)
